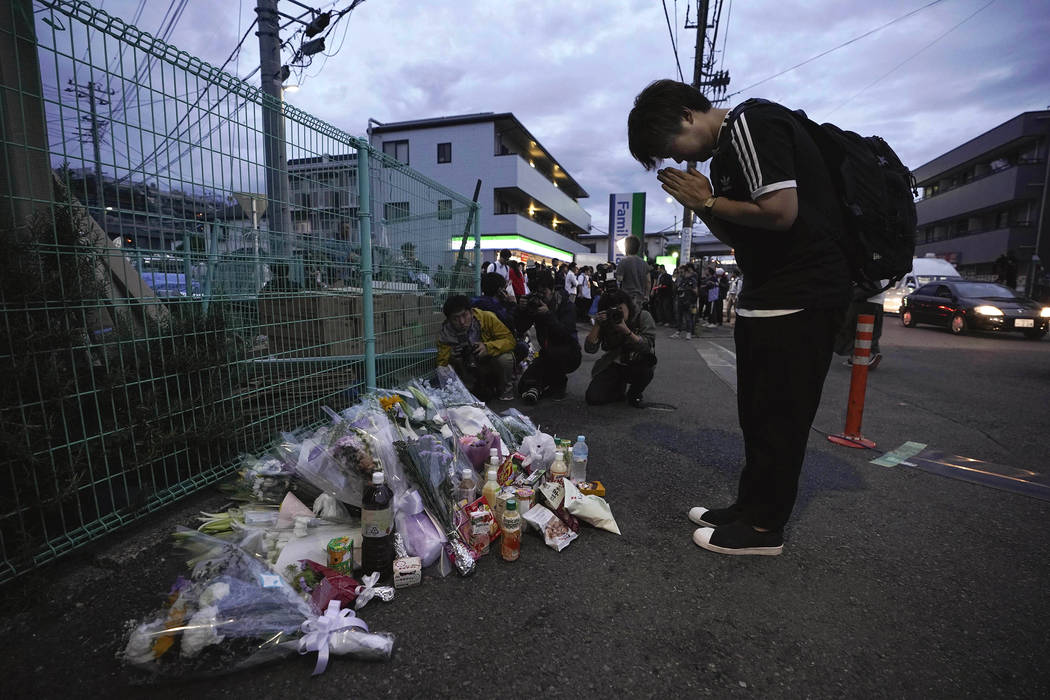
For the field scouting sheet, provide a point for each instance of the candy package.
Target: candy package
(555, 533)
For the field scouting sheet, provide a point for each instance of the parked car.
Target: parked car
(960, 306)
(923, 271)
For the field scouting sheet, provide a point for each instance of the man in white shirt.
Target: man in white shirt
(571, 282)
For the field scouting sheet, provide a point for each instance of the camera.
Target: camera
(467, 354)
(613, 316)
(533, 302)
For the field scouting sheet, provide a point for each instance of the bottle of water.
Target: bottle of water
(579, 460)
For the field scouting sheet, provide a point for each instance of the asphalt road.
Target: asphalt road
(893, 582)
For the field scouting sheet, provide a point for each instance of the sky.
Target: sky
(569, 69)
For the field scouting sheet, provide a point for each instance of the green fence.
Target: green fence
(181, 282)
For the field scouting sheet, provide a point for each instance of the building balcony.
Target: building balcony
(518, 225)
(994, 190)
(515, 171)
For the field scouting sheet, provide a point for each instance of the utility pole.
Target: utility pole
(698, 74)
(93, 133)
(274, 148)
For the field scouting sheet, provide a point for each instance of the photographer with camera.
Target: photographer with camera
(477, 346)
(555, 320)
(628, 335)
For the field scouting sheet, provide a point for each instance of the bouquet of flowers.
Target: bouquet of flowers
(235, 613)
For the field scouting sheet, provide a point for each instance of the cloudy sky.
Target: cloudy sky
(569, 69)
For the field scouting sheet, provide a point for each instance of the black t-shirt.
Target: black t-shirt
(766, 149)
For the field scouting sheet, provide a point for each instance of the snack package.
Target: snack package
(552, 494)
(555, 533)
(592, 510)
(591, 488)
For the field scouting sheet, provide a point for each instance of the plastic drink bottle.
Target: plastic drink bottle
(491, 489)
(559, 470)
(377, 527)
(510, 547)
(579, 460)
(468, 487)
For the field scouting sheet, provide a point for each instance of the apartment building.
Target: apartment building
(529, 202)
(985, 198)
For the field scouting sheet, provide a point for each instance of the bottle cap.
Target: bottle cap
(580, 438)
(378, 478)
(493, 452)
(492, 475)
(511, 504)
(559, 455)
(467, 474)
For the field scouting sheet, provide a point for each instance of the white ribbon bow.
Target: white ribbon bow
(369, 590)
(319, 629)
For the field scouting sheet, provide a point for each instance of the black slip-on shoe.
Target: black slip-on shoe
(739, 538)
(716, 517)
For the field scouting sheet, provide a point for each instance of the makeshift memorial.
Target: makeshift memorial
(592, 510)
(323, 584)
(339, 632)
(555, 533)
(369, 590)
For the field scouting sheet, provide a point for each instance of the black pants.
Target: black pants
(616, 381)
(549, 371)
(848, 332)
(715, 316)
(781, 365)
(487, 377)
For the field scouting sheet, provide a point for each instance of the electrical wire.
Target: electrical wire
(931, 43)
(674, 46)
(836, 48)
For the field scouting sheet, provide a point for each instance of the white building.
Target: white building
(529, 203)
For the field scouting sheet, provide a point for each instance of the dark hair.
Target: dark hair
(491, 283)
(455, 303)
(543, 280)
(632, 245)
(615, 297)
(657, 118)
(505, 253)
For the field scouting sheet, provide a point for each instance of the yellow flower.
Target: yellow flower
(389, 402)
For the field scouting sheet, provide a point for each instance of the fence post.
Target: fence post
(475, 212)
(364, 208)
(858, 384)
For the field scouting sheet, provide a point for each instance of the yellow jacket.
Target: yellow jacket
(496, 336)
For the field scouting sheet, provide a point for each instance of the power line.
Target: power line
(891, 70)
(836, 48)
(674, 46)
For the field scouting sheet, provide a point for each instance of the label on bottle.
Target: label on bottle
(376, 523)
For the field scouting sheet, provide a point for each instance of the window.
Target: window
(397, 150)
(395, 210)
(444, 209)
(445, 152)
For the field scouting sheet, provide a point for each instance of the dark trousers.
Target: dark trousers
(848, 333)
(549, 371)
(686, 318)
(616, 381)
(583, 307)
(781, 365)
(487, 377)
(715, 315)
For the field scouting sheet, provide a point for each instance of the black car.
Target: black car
(980, 306)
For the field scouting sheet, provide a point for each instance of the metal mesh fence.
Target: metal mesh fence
(180, 283)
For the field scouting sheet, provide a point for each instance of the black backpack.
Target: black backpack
(877, 193)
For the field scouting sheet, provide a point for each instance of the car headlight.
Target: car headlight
(1045, 312)
(988, 310)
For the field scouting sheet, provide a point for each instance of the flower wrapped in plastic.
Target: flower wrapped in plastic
(367, 417)
(234, 613)
(264, 479)
(430, 464)
(476, 448)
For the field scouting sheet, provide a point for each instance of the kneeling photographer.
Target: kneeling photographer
(555, 322)
(628, 335)
(477, 346)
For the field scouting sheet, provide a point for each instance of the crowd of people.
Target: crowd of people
(537, 307)
(519, 337)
